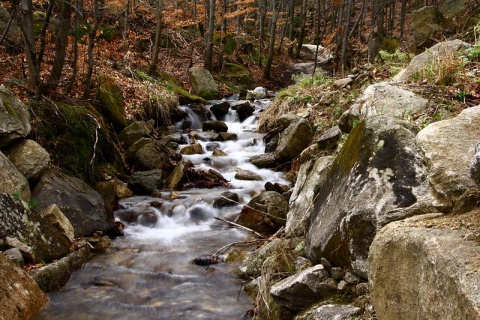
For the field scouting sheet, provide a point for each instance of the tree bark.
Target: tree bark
(91, 44)
(271, 46)
(208, 57)
(158, 32)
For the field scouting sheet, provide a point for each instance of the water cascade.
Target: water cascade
(150, 275)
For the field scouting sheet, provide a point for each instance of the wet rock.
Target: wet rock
(200, 213)
(377, 178)
(219, 153)
(212, 146)
(219, 110)
(244, 111)
(82, 205)
(438, 52)
(206, 260)
(310, 179)
(111, 191)
(266, 160)
(142, 216)
(145, 182)
(14, 117)
(256, 94)
(265, 213)
(214, 125)
(248, 175)
(136, 131)
(271, 146)
(20, 296)
(277, 187)
(30, 158)
(446, 278)
(329, 312)
(13, 181)
(226, 199)
(18, 221)
(205, 136)
(55, 275)
(330, 138)
(226, 136)
(302, 289)
(293, 140)
(104, 245)
(448, 147)
(195, 148)
(383, 99)
(203, 84)
(15, 255)
(175, 180)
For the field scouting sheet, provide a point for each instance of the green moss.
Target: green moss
(111, 103)
(350, 152)
(236, 76)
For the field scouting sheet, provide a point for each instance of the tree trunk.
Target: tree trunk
(271, 46)
(402, 18)
(60, 45)
(158, 32)
(208, 57)
(91, 44)
(346, 33)
(26, 25)
(302, 28)
(261, 33)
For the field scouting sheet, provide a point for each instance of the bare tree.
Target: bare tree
(208, 55)
(158, 32)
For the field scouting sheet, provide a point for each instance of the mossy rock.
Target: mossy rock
(71, 136)
(111, 103)
(236, 76)
(184, 97)
(390, 44)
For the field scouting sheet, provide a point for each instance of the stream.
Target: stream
(150, 275)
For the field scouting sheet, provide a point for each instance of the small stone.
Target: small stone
(15, 255)
(337, 273)
(302, 263)
(361, 289)
(326, 264)
(343, 286)
(469, 237)
(351, 278)
(219, 153)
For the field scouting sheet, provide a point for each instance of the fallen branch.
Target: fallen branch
(228, 246)
(242, 227)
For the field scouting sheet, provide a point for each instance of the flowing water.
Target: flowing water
(150, 275)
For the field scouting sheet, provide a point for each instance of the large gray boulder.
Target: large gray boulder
(426, 25)
(14, 117)
(438, 52)
(383, 99)
(377, 177)
(203, 84)
(424, 273)
(448, 147)
(20, 296)
(136, 131)
(47, 241)
(81, 204)
(12, 181)
(148, 154)
(293, 140)
(14, 34)
(302, 289)
(311, 176)
(30, 158)
(265, 213)
(145, 182)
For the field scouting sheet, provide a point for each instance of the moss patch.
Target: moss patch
(111, 103)
(236, 76)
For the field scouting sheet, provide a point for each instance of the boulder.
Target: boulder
(136, 131)
(309, 51)
(219, 110)
(438, 52)
(424, 273)
(175, 180)
(377, 177)
(226, 199)
(448, 147)
(48, 241)
(20, 296)
(206, 135)
(265, 213)
(213, 125)
(55, 275)
(451, 8)
(219, 153)
(236, 76)
(257, 93)
(329, 312)
(14, 34)
(30, 158)
(145, 182)
(203, 83)
(195, 148)
(226, 136)
(310, 179)
(111, 191)
(266, 160)
(302, 289)
(248, 175)
(426, 25)
(293, 140)
(111, 103)
(13, 182)
(82, 205)
(57, 219)
(14, 117)
(475, 165)
(244, 111)
(330, 138)
(383, 99)
(148, 154)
